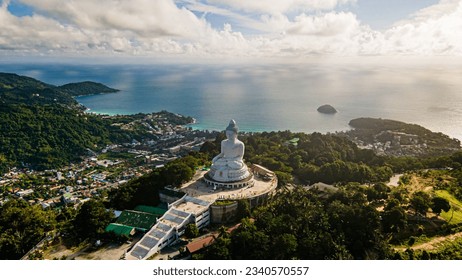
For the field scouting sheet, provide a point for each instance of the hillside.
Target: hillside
(43, 127)
(309, 158)
(48, 136)
(15, 89)
(395, 138)
(86, 88)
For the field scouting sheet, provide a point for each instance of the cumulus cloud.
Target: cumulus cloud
(433, 30)
(34, 33)
(292, 28)
(142, 17)
(136, 27)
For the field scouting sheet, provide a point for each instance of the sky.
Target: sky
(230, 29)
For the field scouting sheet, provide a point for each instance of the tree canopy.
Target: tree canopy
(314, 157)
(145, 190)
(91, 219)
(300, 224)
(22, 226)
(439, 204)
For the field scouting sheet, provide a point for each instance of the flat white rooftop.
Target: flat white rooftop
(198, 188)
(191, 207)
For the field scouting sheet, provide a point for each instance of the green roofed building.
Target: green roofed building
(120, 230)
(151, 210)
(139, 220)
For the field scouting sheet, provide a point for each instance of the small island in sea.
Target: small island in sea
(327, 109)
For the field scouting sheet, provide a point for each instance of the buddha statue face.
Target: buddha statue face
(231, 135)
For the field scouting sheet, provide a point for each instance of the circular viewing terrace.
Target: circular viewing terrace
(247, 182)
(262, 182)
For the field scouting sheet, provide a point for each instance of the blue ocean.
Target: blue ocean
(270, 97)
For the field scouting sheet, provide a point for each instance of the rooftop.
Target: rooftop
(120, 230)
(197, 245)
(201, 243)
(197, 188)
(151, 210)
(140, 220)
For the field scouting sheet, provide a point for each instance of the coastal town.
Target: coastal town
(394, 138)
(99, 172)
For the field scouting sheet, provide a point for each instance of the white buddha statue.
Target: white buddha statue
(229, 166)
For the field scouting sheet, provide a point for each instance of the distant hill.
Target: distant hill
(390, 137)
(15, 89)
(52, 135)
(42, 126)
(86, 88)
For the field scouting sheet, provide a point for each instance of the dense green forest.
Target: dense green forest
(15, 89)
(43, 127)
(26, 90)
(49, 136)
(354, 222)
(363, 219)
(313, 158)
(145, 190)
(22, 226)
(301, 224)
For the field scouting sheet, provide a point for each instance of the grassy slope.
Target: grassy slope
(456, 205)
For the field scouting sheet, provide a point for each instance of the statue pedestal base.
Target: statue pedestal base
(212, 182)
(229, 175)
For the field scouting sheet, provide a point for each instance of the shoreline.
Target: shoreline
(264, 90)
(196, 125)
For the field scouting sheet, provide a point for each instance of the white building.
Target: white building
(172, 225)
(25, 192)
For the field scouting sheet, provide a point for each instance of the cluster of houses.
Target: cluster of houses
(79, 182)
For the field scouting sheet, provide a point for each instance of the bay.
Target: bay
(271, 97)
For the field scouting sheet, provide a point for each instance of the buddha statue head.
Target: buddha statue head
(231, 130)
